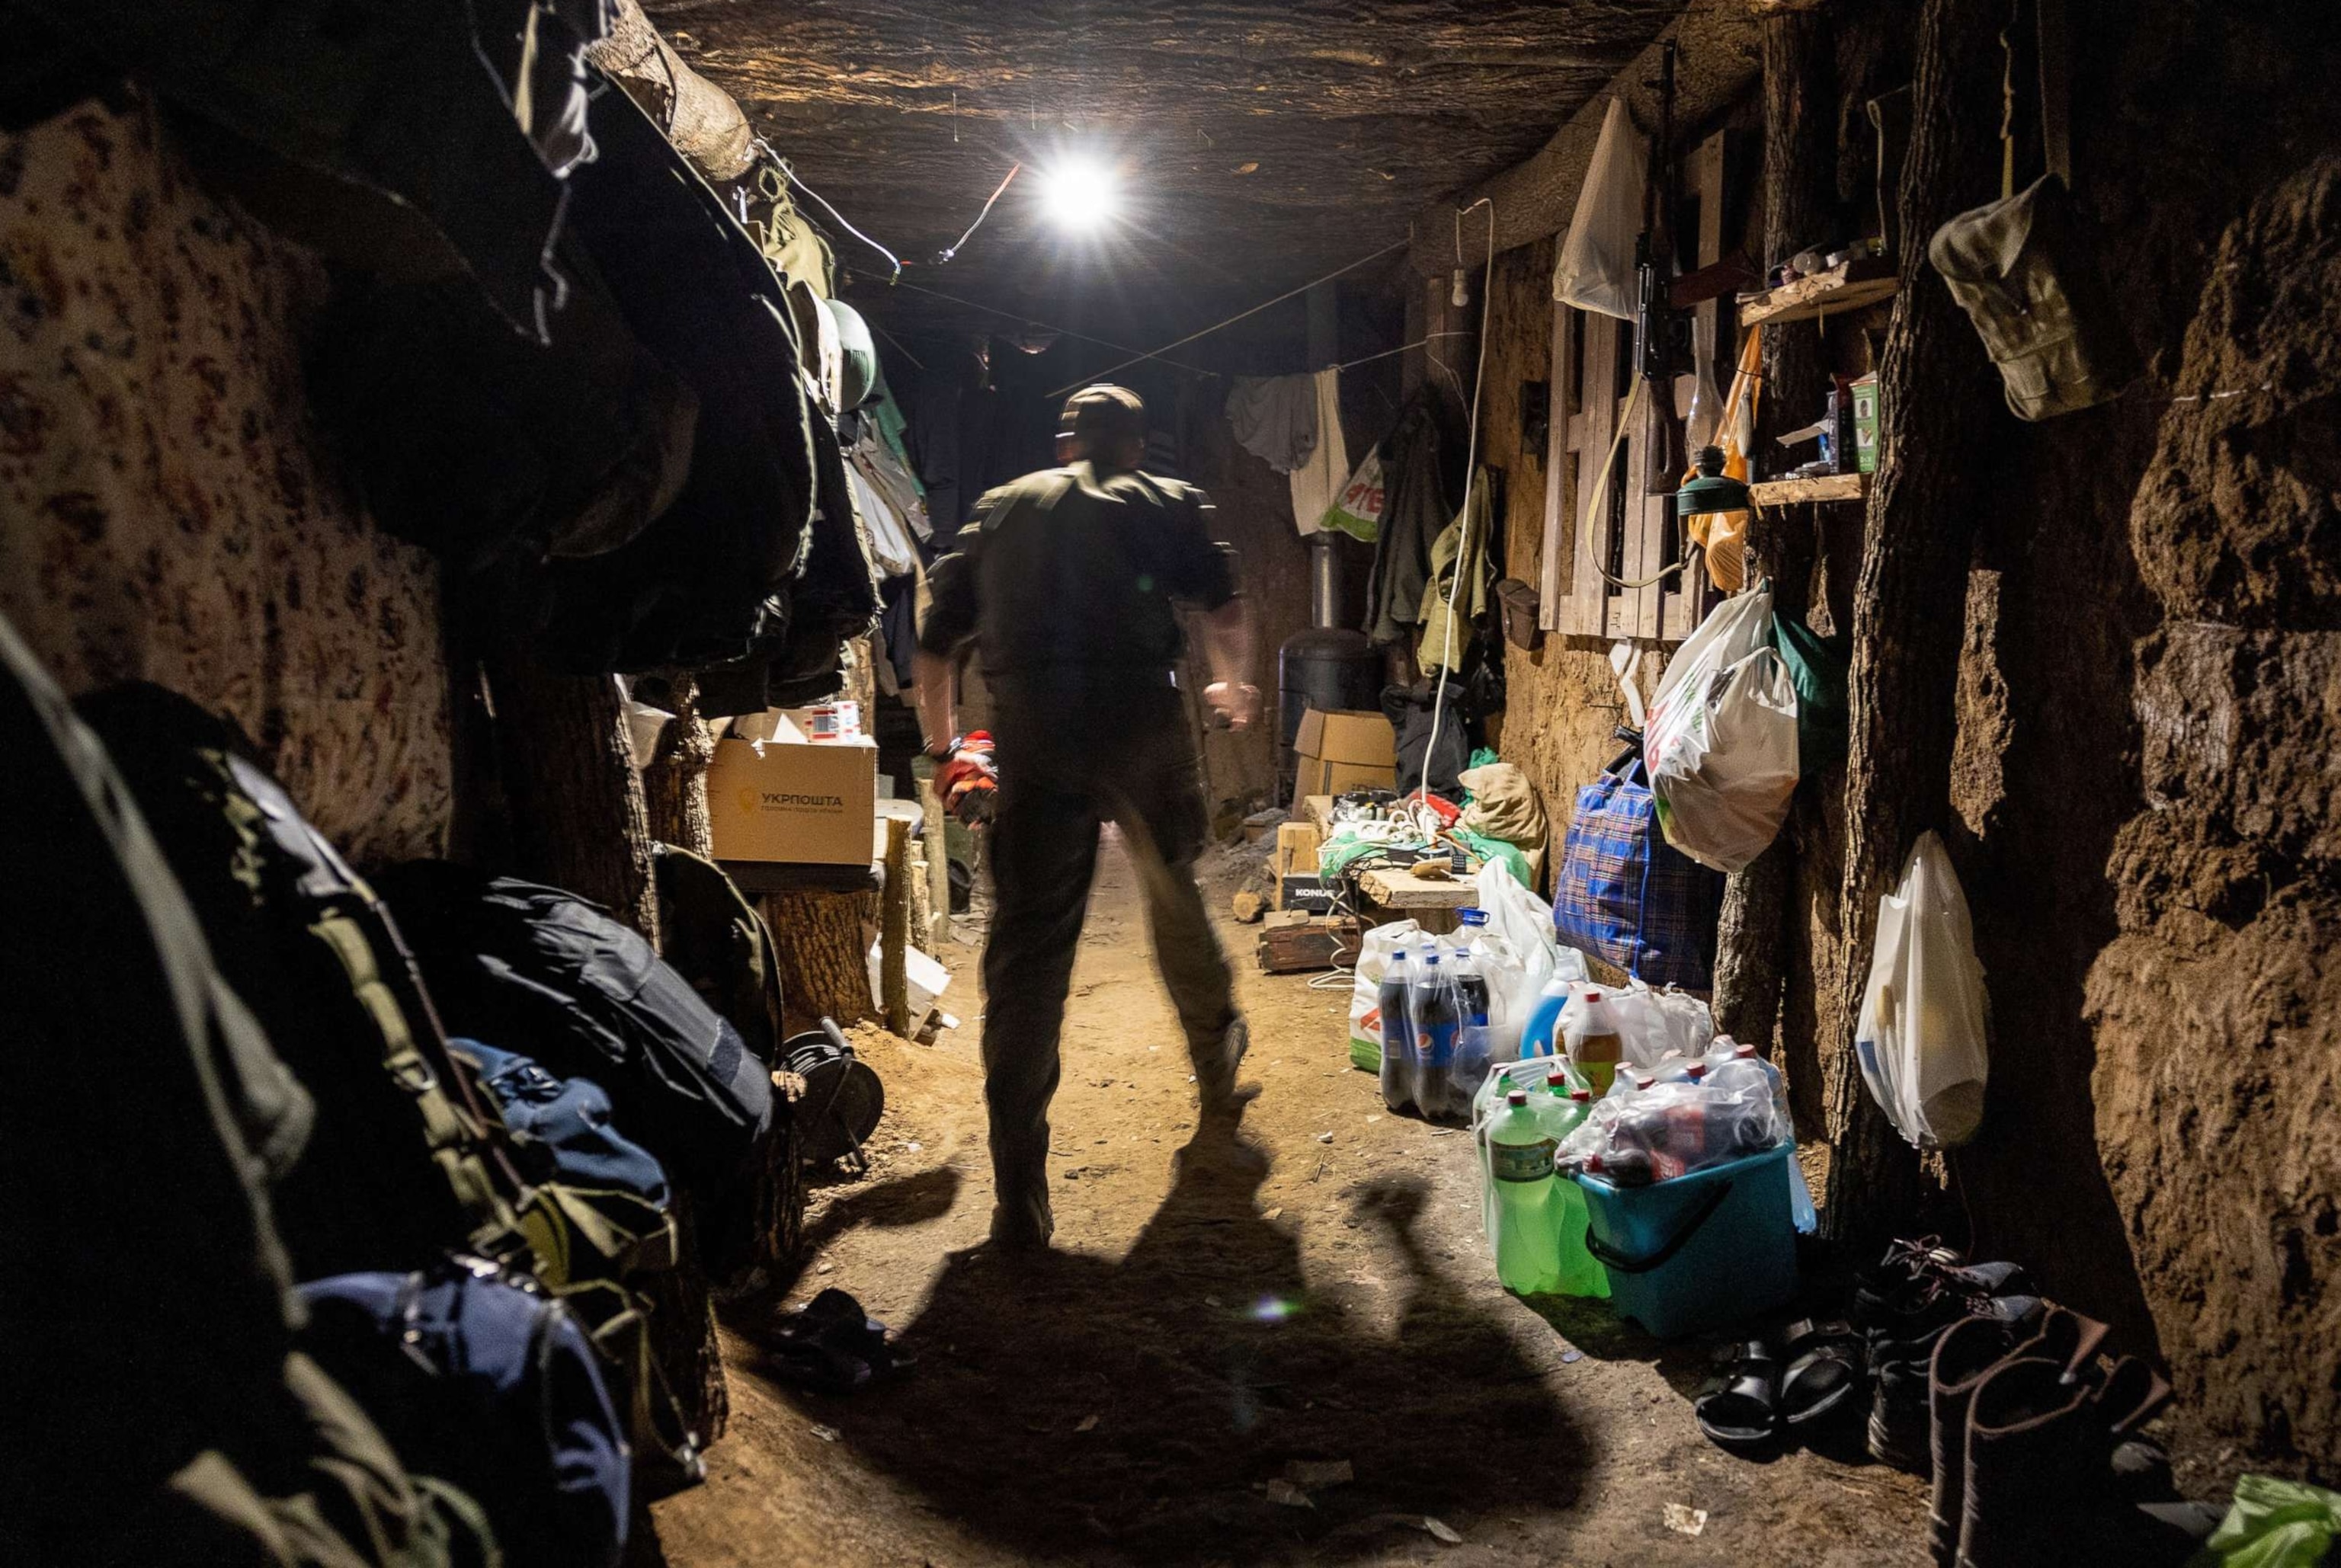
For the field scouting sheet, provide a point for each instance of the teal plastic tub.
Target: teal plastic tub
(1699, 1252)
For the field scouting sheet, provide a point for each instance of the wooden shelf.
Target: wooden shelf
(1827, 487)
(1849, 287)
(1393, 887)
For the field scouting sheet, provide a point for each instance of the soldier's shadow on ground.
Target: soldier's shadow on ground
(1071, 1405)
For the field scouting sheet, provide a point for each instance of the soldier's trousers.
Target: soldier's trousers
(1071, 759)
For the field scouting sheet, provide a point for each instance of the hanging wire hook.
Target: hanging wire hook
(948, 251)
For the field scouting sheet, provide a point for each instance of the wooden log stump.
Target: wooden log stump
(823, 941)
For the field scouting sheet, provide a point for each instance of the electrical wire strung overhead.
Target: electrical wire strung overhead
(1240, 315)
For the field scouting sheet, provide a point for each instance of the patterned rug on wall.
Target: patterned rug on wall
(165, 510)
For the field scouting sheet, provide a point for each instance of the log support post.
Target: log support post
(674, 785)
(1939, 405)
(1752, 942)
(579, 819)
(894, 921)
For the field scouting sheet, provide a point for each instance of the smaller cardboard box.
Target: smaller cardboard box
(1304, 893)
(1864, 424)
(794, 801)
(1339, 751)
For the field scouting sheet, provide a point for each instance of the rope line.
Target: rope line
(1240, 315)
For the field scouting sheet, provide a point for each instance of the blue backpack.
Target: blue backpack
(478, 1378)
(563, 1128)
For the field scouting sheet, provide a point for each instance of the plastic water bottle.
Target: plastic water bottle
(1544, 1019)
(1396, 1004)
(1772, 1079)
(1594, 1042)
(1472, 1043)
(1435, 1013)
(1520, 1148)
(1581, 1272)
(1784, 1130)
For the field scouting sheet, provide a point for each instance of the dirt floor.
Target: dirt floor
(1145, 1393)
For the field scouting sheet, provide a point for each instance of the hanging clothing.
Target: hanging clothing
(893, 430)
(1318, 483)
(890, 548)
(886, 474)
(1275, 418)
(1414, 711)
(1460, 552)
(1415, 512)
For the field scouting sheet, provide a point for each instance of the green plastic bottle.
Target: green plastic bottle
(1580, 1272)
(1520, 1149)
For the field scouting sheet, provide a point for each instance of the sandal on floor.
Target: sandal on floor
(830, 1347)
(1740, 1407)
(1824, 1370)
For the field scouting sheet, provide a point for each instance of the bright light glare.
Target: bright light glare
(1079, 194)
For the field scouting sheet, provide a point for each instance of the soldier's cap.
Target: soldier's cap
(1103, 411)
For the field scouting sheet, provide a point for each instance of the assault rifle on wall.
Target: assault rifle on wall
(1661, 334)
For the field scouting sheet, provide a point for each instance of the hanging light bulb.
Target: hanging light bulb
(1460, 294)
(1080, 194)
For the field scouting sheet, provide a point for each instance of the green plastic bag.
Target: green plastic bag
(2273, 1523)
(1817, 667)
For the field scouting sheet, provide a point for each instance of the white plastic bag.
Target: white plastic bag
(1920, 1038)
(1722, 740)
(1365, 990)
(1596, 268)
(1524, 921)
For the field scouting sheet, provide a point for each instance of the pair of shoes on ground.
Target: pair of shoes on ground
(1767, 1390)
(2037, 1453)
(1903, 1306)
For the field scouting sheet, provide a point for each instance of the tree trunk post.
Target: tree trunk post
(1799, 180)
(578, 819)
(562, 828)
(674, 785)
(1938, 403)
(939, 892)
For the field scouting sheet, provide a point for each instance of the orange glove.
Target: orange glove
(967, 780)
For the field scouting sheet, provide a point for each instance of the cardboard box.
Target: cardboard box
(1339, 752)
(1864, 424)
(793, 801)
(1306, 893)
(825, 724)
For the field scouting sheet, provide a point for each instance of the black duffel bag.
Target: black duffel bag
(547, 973)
